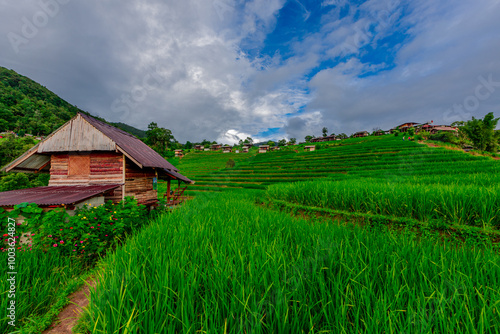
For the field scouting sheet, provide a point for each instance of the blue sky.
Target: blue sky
(270, 69)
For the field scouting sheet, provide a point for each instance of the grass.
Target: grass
(41, 282)
(455, 204)
(385, 157)
(222, 265)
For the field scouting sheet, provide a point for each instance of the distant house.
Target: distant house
(179, 153)
(245, 149)
(199, 147)
(215, 147)
(89, 160)
(323, 139)
(310, 148)
(227, 149)
(444, 128)
(206, 149)
(275, 148)
(405, 126)
(361, 134)
(380, 132)
(263, 148)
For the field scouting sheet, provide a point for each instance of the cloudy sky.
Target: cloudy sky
(270, 69)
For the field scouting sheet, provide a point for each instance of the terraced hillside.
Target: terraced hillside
(386, 157)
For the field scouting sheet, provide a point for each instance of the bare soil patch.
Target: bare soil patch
(70, 315)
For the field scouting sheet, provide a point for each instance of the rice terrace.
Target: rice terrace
(249, 167)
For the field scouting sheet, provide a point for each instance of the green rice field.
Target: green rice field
(220, 264)
(367, 235)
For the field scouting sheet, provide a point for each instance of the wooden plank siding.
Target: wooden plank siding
(104, 168)
(139, 182)
(77, 135)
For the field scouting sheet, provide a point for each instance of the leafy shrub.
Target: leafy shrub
(230, 163)
(90, 231)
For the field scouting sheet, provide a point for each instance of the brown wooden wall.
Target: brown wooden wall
(88, 169)
(139, 182)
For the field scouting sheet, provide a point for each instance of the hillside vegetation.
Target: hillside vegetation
(28, 107)
(386, 158)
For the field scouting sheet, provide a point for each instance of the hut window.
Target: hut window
(79, 165)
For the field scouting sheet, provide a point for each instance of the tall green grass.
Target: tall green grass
(41, 281)
(459, 204)
(224, 265)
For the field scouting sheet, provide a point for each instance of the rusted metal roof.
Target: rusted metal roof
(178, 176)
(133, 146)
(53, 195)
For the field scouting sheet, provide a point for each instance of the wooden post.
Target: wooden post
(168, 190)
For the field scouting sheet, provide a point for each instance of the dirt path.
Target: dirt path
(70, 315)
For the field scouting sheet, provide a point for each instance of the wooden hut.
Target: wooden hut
(361, 134)
(310, 148)
(323, 139)
(179, 153)
(199, 147)
(405, 126)
(227, 149)
(263, 148)
(215, 147)
(86, 156)
(444, 128)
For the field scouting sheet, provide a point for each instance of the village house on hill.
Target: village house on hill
(89, 160)
(361, 134)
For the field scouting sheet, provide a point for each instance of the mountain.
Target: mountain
(130, 129)
(26, 106)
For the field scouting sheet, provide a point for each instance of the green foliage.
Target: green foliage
(325, 131)
(343, 136)
(482, 133)
(90, 231)
(159, 138)
(282, 142)
(14, 181)
(231, 267)
(293, 141)
(270, 143)
(230, 163)
(455, 204)
(308, 138)
(444, 136)
(130, 129)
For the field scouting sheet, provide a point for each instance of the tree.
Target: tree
(282, 142)
(270, 143)
(325, 131)
(411, 131)
(342, 136)
(248, 141)
(158, 138)
(482, 132)
(292, 141)
(332, 134)
(308, 138)
(188, 145)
